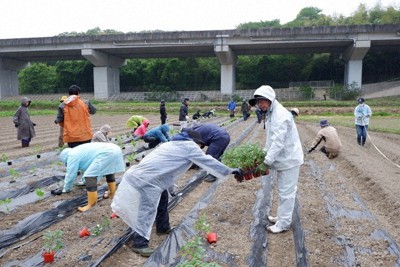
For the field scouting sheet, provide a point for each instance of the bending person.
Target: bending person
(216, 139)
(142, 196)
(157, 135)
(96, 160)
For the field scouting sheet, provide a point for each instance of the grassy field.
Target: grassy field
(386, 124)
(385, 118)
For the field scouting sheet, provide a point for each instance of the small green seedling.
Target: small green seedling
(118, 139)
(131, 157)
(52, 240)
(193, 251)
(133, 143)
(5, 202)
(14, 174)
(39, 192)
(173, 131)
(99, 228)
(4, 158)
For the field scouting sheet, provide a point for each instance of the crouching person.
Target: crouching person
(142, 196)
(332, 144)
(95, 160)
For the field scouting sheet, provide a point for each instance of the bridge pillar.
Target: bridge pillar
(227, 58)
(105, 73)
(353, 57)
(9, 76)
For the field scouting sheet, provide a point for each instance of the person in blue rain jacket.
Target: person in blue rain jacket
(96, 160)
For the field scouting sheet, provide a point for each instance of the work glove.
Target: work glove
(16, 125)
(187, 118)
(262, 168)
(238, 174)
(55, 122)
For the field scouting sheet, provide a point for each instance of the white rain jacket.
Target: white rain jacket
(95, 159)
(362, 113)
(283, 148)
(138, 194)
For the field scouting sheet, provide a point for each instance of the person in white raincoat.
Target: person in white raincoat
(283, 154)
(142, 195)
(96, 160)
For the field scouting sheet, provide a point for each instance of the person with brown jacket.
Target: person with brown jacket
(23, 123)
(74, 116)
(329, 135)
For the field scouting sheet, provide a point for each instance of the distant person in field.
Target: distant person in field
(184, 113)
(141, 130)
(163, 112)
(232, 108)
(329, 136)
(102, 135)
(23, 123)
(245, 109)
(134, 122)
(157, 135)
(295, 112)
(362, 113)
(74, 116)
(60, 136)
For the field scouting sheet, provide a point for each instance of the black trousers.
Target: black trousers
(162, 222)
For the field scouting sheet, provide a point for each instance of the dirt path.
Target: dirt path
(349, 209)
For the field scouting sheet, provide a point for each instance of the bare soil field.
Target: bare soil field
(346, 213)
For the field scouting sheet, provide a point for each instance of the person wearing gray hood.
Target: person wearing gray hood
(102, 134)
(284, 154)
(23, 123)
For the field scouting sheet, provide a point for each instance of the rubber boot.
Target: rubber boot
(112, 187)
(92, 200)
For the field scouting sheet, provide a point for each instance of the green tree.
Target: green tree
(258, 25)
(360, 16)
(131, 75)
(307, 16)
(79, 72)
(38, 78)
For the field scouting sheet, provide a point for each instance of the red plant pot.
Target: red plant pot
(48, 256)
(248, 176)
(212, 238)
(84, 232)
(113, 216)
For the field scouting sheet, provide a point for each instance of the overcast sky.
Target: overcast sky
(42, 18)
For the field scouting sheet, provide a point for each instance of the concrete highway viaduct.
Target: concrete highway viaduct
(109, 52)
